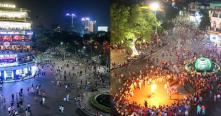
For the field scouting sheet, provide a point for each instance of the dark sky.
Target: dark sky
(50, 12)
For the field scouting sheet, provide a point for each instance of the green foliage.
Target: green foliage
(205, 20)
(95, 104)
(171, 12)
(141, 22)
(103, 59)
(119, 23)
(42, 43)
(131, 23)
(53, 39)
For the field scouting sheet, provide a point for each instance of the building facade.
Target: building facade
(88, 25)
(215, 16)
(215, 19)
(16, 60)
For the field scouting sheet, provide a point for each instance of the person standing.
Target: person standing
(186, 113)
(214, 98)
(67, 97)
(203, 110)
(43, 100)
(13, 97)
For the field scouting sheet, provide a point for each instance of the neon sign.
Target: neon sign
(15, 25)
(7, 5)
(13, 14)
(9, 58)
(16, 32)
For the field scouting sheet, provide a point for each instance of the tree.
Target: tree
(119, 23)
(141, 24)
(42, 43)
(131, 24)
(205, 20)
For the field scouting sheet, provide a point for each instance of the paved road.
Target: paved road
(54, 98)
(55, 94)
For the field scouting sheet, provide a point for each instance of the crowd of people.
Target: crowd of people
(16, 104)
(187, 47)
(79, 76)
(199, 84)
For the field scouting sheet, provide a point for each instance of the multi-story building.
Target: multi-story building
(89, 25)
(16, 60)
(215, 19)
(215, 16)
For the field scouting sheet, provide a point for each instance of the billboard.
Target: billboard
(103, 28)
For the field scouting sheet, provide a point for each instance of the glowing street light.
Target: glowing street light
(72, 15)
(155, 6)
(85, 19)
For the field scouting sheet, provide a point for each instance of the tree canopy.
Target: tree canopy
(205, 20)
(129, 23)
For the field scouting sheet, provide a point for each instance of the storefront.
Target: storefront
(18, 72)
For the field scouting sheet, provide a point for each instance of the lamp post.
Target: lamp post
(72, 15)
(62, 44)
(155, 6)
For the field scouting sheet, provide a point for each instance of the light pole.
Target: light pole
(155, 6)
(72, 15)
(64, 49)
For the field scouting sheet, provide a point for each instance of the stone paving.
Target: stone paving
(54, 93)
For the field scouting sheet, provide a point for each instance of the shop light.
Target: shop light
(8, 14)
(15, 25)
(16, 32)
(3, 5)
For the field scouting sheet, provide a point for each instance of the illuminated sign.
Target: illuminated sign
(13, 14)
(6, 44)
(7, 5)
(8, 60)
(85, 19)
(5, 56)
(15, 25)
(103, 28)
(3, 32)
(16, 32)
(29, 33)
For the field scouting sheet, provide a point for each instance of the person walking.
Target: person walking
(9, 110)
(198, 109)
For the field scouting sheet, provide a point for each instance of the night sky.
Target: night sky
(49, 12)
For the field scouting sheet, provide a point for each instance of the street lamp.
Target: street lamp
(85, 19)
(72, 15)
(155, 6)
(62, 44)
